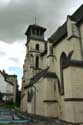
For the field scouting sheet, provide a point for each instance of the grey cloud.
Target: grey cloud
(15, 17)
(2, 53)
(16, 60)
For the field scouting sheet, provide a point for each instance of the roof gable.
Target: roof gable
(61, 32)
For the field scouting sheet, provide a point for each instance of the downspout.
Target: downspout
(80, 39)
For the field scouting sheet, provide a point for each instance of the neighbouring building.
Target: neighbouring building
(52, 83)
(8, 86)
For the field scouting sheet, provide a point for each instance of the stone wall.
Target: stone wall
(73, 94)
(59, 96)
(13, 79)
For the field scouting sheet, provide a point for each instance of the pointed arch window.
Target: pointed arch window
(63, 63)
(31, 60)
(37, 46)
(37, 62)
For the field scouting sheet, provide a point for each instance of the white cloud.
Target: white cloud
(16, 15)
(12, 51)
(4, 3)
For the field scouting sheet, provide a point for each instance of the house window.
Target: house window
(37, 62)
(37, 46)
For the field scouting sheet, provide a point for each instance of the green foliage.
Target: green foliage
(18, 98)
(1, 96)
(10, 105)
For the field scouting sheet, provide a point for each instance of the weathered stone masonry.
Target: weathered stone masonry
(52, 83)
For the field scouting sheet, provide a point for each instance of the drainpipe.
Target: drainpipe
(81, 43)
(34, 100)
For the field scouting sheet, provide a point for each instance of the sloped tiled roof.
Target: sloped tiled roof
(6, 76)
(44, 73)
(35, 78)
(62, 30)
(78, 15)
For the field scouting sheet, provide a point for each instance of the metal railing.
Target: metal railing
(8, 116)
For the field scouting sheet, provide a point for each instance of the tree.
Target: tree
(1, 96)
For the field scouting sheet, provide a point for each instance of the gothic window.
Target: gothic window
(30, 95)
(31, 60)
(37, 46)
(63, 61)
(37, 62)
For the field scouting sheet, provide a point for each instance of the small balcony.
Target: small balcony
(35, 51)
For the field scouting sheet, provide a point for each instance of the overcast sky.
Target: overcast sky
(17, 15)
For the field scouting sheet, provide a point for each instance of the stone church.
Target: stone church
(52, 83)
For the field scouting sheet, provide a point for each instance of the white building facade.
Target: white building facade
(6, 88)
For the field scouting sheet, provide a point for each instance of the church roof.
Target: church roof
(35, 26)
(35, 78)
(6, 76)
(44, 73)
(61, 32)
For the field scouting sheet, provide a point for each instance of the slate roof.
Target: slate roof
(44, 73)
(78, 15)
(62, 30)
(59, 34)
(35, 78)
(35, 26)
(6, 76)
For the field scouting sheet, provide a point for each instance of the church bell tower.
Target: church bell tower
(35, 47)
